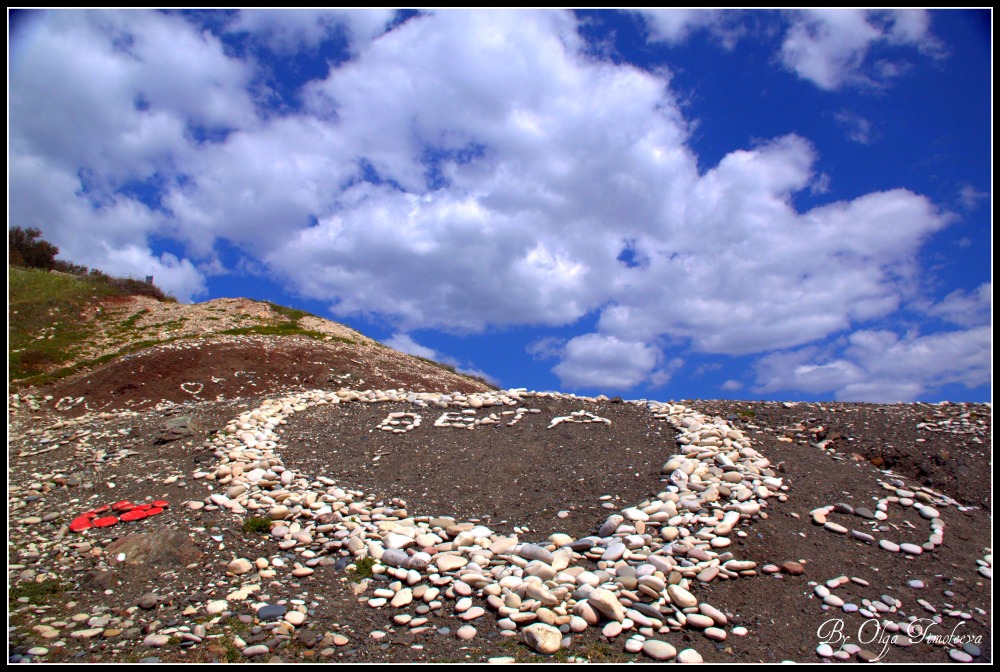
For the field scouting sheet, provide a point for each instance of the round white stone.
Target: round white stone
(658, 650)
(690, 657)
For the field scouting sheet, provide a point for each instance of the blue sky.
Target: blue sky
(665, 204)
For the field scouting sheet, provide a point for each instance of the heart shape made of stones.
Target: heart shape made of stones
(903, 498)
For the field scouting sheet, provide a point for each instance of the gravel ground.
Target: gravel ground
(524, 479)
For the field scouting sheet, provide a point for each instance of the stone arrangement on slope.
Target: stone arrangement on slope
(415, 600)
(649, 558)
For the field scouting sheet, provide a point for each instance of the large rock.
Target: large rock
(658, 650)
(164, 548)
(542, 638)
(239, 566)
(681, 597)
(395, 557)
(610, 525)
(449, 563)
(100, 581)
(533, 552)
(181, 427)
(607, 604)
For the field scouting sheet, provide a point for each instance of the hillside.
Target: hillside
(234, 481)
(61, 325)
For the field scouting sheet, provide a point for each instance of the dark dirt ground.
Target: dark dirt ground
(523, 475)
(246, 366)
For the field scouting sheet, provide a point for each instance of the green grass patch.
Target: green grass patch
(51, 323)
(36, 591)
(46, 324)
(362, 569)
(234, 623)
(49, 377)
(293, 314)
(282, 329)
(133, 319)
(600, 652)
(169, 324)
(257, 525)
(233, 655)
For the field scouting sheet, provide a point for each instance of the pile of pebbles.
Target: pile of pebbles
(88, 443)
(955, 419)
(637, 575)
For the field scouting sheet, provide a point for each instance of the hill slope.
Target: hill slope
(67, 335)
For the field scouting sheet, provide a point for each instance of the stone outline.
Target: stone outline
(252, 439)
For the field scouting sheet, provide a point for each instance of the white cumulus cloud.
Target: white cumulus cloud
(966, 309)
(289, 30)
(831, 47)
(674, 26)
(606, 362)
(405, 343)
(881, 366)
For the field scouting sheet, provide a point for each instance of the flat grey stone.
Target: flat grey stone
(271, 612)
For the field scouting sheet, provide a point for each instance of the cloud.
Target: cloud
(605, 362)
(289, 30)
(880, 366)
(405, 343)
(178, 277)
(970, 197)
(104, 102)
(820, 185)
(732, 385)
(831, 47)
(967, 310)
(546, 348)
(674, 26)
(111, 235)
(117, 93)
(661, 376)
(775, 278)
(857, 127)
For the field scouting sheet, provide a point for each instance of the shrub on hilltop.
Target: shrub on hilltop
(26, 249)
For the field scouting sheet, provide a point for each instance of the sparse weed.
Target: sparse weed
(282, 329)
(362, 569)
(36, 591)
(257, 525)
